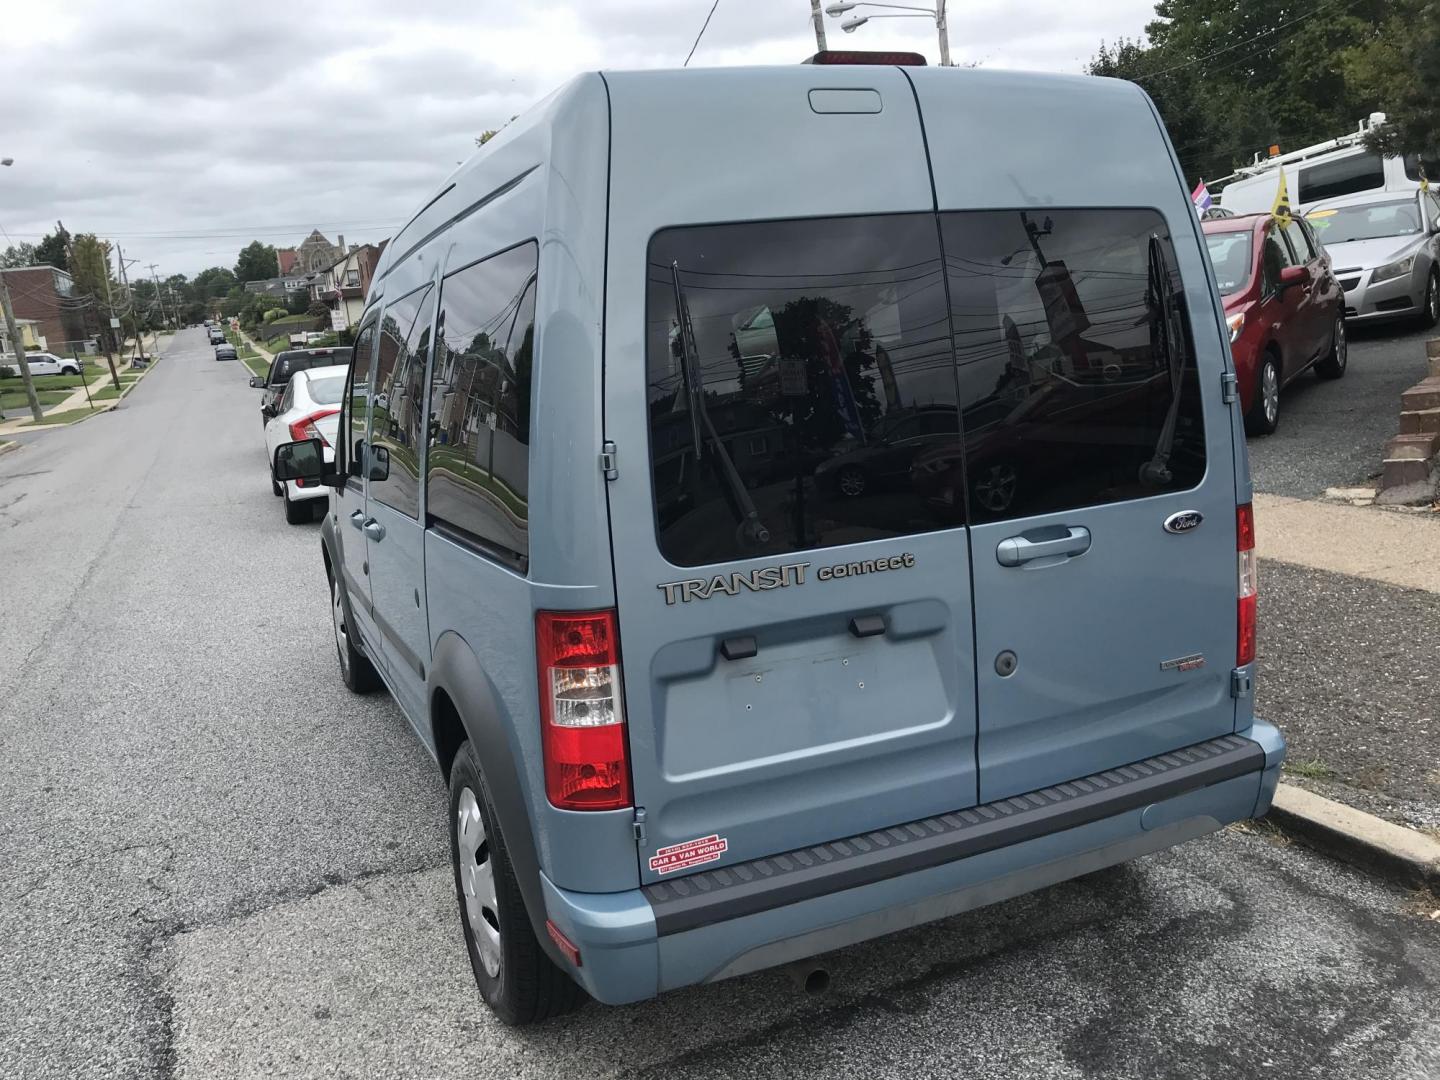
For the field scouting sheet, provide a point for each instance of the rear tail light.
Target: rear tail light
(305, 428)
(1247, 585)
(582, 711)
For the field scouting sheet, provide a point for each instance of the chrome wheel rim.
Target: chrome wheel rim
(1270, 393)
(477, 881)
(852, 482)
(1432, 300)
(342, 639)
(996, 489)
(1342, 345)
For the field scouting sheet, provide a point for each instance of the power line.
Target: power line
(701, 34)
(1251, 39)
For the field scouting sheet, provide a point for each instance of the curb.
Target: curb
(1403, 855)
(7, 445)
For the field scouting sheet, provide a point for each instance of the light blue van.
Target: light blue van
(795, 504)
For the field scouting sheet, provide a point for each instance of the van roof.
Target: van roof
(500, 164)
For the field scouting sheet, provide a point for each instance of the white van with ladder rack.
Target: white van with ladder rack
(1329, 169)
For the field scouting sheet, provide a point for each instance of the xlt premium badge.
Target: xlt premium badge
(1184, 663)
(776, 577)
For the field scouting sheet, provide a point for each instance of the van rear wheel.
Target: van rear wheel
(515, 976)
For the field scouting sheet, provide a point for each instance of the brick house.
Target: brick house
(46, 296)
(342, 285)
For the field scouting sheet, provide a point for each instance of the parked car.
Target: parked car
(224, 351)
(309, 408)
(696, 719)
(1283, 305)
(216, 336)
(283, 366)
(1386, 248)
(42, 363)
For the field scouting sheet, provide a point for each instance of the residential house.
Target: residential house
(314, 254)
(45, 297)
(287, 258)
(30, 338)
(279, 287)
(342, 285)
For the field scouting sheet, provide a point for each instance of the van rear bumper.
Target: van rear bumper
(745, 917)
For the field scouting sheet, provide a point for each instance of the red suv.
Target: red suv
(1285, 309)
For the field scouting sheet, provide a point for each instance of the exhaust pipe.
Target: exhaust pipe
(808, 976)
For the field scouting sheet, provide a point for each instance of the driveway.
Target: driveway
(216, 862)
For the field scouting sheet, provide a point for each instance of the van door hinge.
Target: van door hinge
(607, 460)
(639, 824)
(1241, 683)
(1229, 387)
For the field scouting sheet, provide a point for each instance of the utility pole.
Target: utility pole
(818, 18)
(18, 344)
(944, 29)
(159, 297)
(130, 299)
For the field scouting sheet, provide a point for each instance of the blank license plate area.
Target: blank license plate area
(802, 700)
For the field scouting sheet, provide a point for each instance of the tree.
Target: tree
(297, 301)
(17, 255)
(1232, 78)
(212, 284)
(51, 251)
(1398, 66)
(318, 309)
(90, 270)
(257, 262)
(486, 136)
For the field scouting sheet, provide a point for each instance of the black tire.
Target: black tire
(298, 512)
(356, 671)
(1333, 366)
(1263, 420)
(525, 986)
(275, 488)
(1430, 313)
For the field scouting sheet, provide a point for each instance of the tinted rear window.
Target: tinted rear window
(1078, 383)
(1362, 172)
(795, 372)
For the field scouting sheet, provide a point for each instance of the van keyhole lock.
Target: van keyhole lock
(1005, 664)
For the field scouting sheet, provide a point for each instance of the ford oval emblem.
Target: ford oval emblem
(1183, 521)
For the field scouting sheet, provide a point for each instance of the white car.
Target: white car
(308, 409)
(43, 363)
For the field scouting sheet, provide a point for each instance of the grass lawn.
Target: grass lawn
(257, 364)
(108, 393)
(69, 416)
(15, 401)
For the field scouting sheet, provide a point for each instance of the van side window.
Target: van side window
(398, 401)
(1359, 172)
(356, 408)
(477, 463)
(1078, 382)
(799, 381)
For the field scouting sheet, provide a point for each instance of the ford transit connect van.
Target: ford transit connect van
(779, 549)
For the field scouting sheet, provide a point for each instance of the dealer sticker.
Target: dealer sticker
(691, 853)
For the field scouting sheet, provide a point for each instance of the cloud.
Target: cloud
(184, 130)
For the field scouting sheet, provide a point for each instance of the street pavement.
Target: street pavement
(1332, 433)
(216, 862)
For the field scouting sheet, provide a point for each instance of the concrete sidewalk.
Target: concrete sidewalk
(1398, 549)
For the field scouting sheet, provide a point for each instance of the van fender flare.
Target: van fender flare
(454, 669)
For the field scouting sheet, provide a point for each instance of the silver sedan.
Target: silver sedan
(1385, 250)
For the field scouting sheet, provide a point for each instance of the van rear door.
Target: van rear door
(1098, 454)
(795, 617)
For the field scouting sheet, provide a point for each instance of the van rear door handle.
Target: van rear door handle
(373, 529)
(1018, 550)
(357, 518)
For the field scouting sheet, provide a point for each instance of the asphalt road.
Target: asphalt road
(1332, 434)
(215, 862)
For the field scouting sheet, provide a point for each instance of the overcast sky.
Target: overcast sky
(185, 130)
